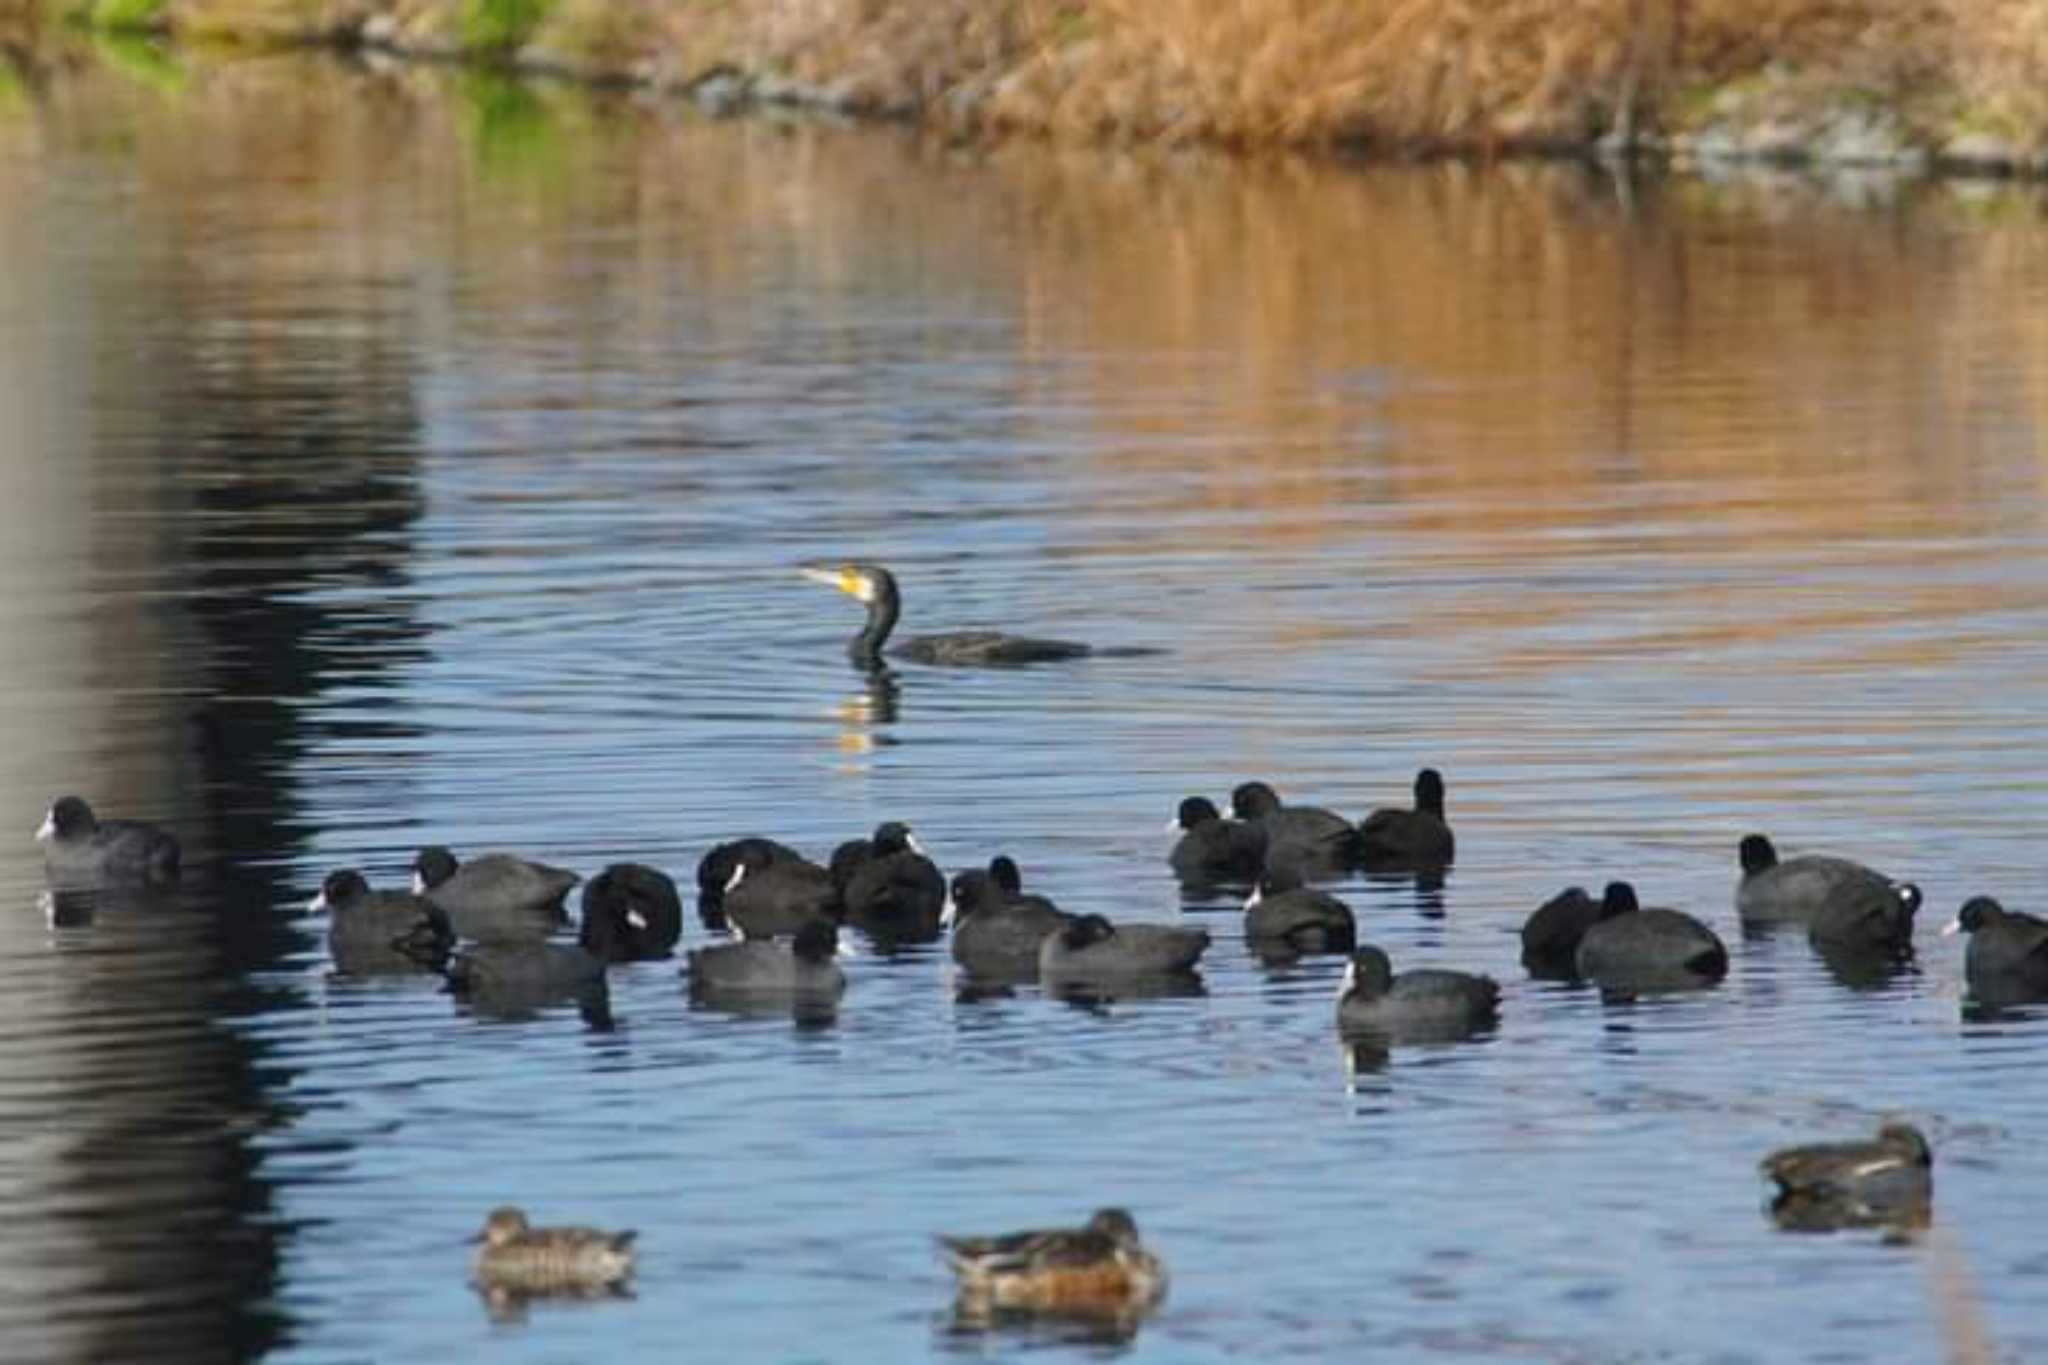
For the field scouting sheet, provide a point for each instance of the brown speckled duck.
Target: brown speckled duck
(518, 1259)
(1099, 1268)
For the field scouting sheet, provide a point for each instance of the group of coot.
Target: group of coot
(490, 925)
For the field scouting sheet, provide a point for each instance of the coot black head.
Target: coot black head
(973, 891)
(1197, 810)
(892, 836)
(816, 942)
(70, 817)
(340, 888)
(1758, 855)
(1087, 930)
(433, 865)
(1618, 899)
(1429, 792)
(1003, 870)
(1977, 912)
(1253, 801)
(1910, 897)
(1371, 973)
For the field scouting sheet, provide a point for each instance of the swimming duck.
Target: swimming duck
(520, 1259)
(1101, 1267)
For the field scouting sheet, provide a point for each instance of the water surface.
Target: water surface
(399, 457)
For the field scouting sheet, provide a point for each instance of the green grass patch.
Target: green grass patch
(116, 15)
(500, 25)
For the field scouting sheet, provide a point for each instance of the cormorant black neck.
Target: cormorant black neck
(883, 609)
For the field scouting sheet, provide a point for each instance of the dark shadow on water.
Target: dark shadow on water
(977, 1329)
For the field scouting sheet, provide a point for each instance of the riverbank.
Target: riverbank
(1878, 82)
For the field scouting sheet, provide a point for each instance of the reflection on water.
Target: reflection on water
(398, 457)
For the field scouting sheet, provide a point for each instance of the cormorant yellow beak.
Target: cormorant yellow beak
(848, 580)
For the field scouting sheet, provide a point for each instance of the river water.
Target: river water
(403, 456)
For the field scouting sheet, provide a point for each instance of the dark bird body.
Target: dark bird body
(2007, 960)
(1654, 948)
(80, 849)
(875, 587)
(773, 898)
(1392, 839)
(716, 867)
(889, 888)
(370, 932)
(997, 936)
(1283, 918)
(801, 966)
(1550, 936)
(1092, 950)
(1421, 1005)
(494, 895)
(1844, 905)
(1306, 840)
(1214, 851)
(631, 913)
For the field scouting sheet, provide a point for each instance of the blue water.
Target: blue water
(380, 479)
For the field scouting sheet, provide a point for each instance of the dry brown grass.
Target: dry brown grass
(1471, 73)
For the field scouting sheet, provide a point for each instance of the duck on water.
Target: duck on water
(875, 587)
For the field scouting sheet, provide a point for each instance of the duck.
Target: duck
(802, 965)
(773, 897)
(1633, 946)
(715, 869)
(1285, 919)
(1391, 838)
(892, 890)
(875, 588)
(494, 895)
(1213, 850)
(1315, 842)
(1550, 936)
(631, 913)
(1091, 949)
(1883, 1181)
(997, 933)
(1418, 1005)
(80, 849)
(1100, 1267)
(519, 1259)
(2007, 960)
